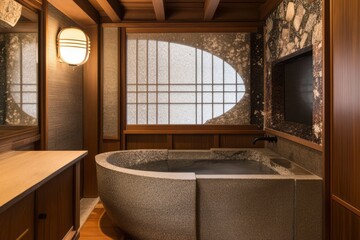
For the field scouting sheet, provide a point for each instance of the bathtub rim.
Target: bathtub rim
(102, 160)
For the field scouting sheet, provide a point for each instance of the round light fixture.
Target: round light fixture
(73, 46)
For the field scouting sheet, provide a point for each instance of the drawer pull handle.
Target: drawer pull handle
(42, 216)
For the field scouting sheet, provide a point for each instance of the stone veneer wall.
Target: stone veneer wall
(294, 25)
(257, 79)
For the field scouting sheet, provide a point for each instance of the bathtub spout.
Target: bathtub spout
(266, 138)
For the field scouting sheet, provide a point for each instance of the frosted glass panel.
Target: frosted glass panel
(218, 70)
(230, 74)
(182, 64)
(131, 113)
(163, 62)
(163, 117)
(131, 61)
(152, 114)
(152, 71)
(182, 114)
(110, 81)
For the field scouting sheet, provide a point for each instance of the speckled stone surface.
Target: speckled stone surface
(307, 158)
(254, 209)
(291, 27)
(185, 205)
(308, 209)
(257, 79)
(188, 154)
(148, 207)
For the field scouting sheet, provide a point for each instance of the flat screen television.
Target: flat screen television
(297, 73)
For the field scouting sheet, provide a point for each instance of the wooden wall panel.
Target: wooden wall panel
(345, 162)
(146, 141)
(91, 114)
(240, 141)
(345, 127)
(107, 145)
(345, 224)
(192, 141)
(64, 91)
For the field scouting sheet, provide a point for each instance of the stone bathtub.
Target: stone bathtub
(218, 194)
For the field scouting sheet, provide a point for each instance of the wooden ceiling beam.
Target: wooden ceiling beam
(88, 9)
(75, 12)
(210, 7)
(112, 8)
(159, 9)
(30, 15)
(268, 7)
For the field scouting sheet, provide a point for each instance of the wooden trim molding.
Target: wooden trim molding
(295, 139)
(43, 113)
(210, 7)
(193, 129)
(346, 205)
(268, 7)
(159, 9)
(232, 132)
(137, 27)
(112, 9)
(89, 10)
(32, 4)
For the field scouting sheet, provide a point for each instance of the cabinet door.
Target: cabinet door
(55, 206)
(17, 222)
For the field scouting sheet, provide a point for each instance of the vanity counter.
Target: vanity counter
(22, 172)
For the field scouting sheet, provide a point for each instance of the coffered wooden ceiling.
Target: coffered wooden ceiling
(87, 12)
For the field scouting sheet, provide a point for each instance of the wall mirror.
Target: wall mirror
(19, 73)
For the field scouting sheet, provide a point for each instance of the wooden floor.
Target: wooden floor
(99, 226)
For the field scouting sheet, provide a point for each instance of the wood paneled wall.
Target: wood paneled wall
(91, 114)
(190, 136)
(345, 125)
(191, 141)
(64, 91)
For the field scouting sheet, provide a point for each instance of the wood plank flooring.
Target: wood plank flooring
(100, 227)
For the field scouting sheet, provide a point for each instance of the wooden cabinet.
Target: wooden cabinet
(55, 207)
(40, 195)
(17, 222)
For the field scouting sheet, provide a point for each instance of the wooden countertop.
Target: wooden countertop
(23, 171)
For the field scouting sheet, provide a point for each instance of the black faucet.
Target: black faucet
(265, 138)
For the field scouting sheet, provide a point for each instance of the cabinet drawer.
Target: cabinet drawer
(17, 222)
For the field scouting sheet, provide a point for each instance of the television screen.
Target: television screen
(298, 89)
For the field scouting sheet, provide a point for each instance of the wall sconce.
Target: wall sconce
(73, 46)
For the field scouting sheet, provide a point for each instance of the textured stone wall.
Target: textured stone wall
(257, 79)
(294, 25)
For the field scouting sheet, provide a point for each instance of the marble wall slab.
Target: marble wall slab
(294, 25)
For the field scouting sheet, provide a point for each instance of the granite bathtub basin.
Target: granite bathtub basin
(209, 194)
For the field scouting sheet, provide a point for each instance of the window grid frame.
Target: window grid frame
(169, 84)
